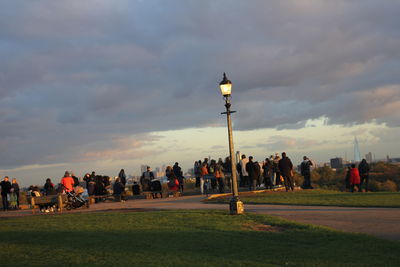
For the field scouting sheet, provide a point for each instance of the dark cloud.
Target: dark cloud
(73, 74)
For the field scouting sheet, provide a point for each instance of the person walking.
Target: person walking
(286, 170)
(5, 190)
(305, 169)
(354, 178)
(363, 169)
(122, 177)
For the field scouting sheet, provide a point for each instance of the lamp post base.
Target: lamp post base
(236, 206)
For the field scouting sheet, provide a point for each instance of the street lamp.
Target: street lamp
(235, 205)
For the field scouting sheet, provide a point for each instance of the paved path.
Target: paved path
(380, 222)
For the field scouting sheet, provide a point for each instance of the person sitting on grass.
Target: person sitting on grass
(354, 178)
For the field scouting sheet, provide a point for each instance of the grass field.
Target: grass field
(183, 238)
(322, 198)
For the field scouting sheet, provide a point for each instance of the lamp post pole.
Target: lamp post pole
(235, 205)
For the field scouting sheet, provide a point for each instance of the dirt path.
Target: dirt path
(380, 222)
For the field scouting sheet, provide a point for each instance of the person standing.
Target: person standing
(146, 178)
(363, 169)
(219, 175)
(5, 189)
(277, 173)
(227, 169)
(305, 168)
(178, 173)
(267, 167)
(354, 178)
(204, 172)
(15, 189)
(197, 170)
(122, 177)
(252, 173)
(244, 175)
(286, 170)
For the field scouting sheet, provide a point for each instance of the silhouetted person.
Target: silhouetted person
(122, 176)
(5, 189)
(306, 172)
(286, 170)
(363, 169)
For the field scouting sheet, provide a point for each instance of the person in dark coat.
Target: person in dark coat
(253, 172)
(90, 183)
(267, 169)
(305, 169)
(286, 170)
(145, 179)
(49, 187)
(5, 189)
(363, 169)
(122, 176)
(119, 190)
(178, 173)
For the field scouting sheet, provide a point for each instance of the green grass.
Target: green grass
(323, 198)
(183, 238)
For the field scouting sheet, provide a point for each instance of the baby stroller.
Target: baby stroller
(75, 199)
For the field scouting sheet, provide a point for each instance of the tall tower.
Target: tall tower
(357, 155)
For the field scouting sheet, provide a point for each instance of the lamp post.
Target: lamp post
(235, 205)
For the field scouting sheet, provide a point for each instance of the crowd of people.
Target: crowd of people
(275, 171)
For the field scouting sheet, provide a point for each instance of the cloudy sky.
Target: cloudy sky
(104, 85)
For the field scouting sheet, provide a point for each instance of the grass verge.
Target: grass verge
(183, 238)
(322, 198)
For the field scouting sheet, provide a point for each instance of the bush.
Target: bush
(388, 186)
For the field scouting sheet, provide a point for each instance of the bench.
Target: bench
(57, 200)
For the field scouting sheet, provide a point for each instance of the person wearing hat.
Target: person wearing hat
(68, 182)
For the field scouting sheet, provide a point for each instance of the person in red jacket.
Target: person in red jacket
(354, 178)
(68, 182)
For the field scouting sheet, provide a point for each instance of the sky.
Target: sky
(104, 85)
